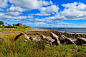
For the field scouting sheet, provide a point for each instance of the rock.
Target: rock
(75, 41)
(1, 37)
(70, 41)
(54, 36)
(62, 37)
(41, 37)
(33, 39)
(50, 40)
(25, 40)
(26, 36)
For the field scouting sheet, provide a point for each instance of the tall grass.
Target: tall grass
(19, 48)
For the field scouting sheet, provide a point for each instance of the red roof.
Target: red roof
(20, 25)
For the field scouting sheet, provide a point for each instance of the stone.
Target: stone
(62, 37)
(26, 36)
(54, 36)
(1, 37)
(75, 41)
(41, 37)
(33, 39)
(50, 40)
(71, 41)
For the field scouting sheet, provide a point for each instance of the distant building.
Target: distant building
(19, 24)
(5, 24)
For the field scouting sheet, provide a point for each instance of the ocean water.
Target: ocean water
(69, 30)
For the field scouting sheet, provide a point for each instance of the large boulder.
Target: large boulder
(54, 36)
(62, 37)
(41, 37)
(50, 40)
(75, 41)
(1, 37)
(70, 41)
(27, 38)
(33, 39)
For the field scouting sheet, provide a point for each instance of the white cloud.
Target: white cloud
(43, 14)
(2, 14)
(3, 3)
(18, 17)
(30, 4)
(1, 9)
(16, 9)
(50, 9)
(13, 13)
(30, 17)
(46, 3)
(74, 11)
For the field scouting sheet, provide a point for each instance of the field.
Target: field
(19, 48)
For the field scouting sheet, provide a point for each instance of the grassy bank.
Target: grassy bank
(19, 48)
(15, 28)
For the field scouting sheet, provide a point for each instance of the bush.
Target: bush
(1, 26)
(9, 27)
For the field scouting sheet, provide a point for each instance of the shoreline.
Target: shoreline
(66, 31)
(35, 31)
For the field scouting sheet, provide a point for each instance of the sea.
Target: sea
(69, 30)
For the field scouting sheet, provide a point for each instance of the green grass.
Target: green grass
(1, 26)
(17, 28)
(19, 48)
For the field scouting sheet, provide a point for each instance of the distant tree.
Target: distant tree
(1, 22)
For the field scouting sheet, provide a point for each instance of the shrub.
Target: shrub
(9, 27)
(1, 26)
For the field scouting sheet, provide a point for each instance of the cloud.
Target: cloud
(15, 9)
(8, 16)
(18, 17)
(13, 13)
(30, 4)
(3, 3)
(74, 11)
(2, 14)
(50, 9)
(43, 14)
(1, 9)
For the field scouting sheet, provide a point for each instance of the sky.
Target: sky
(44, 13)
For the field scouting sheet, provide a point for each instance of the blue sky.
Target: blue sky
(44, 13)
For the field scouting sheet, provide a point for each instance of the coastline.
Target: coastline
(37, 31)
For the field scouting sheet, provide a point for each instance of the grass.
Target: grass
(1, 26)
(19, 48)
(15, 28)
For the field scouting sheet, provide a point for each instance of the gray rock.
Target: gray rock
(62, 37)
(41, 37)
(26, 36)
(1, 37)
(71, 41)
(33, 39)
(54, 36)
(50, 40)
